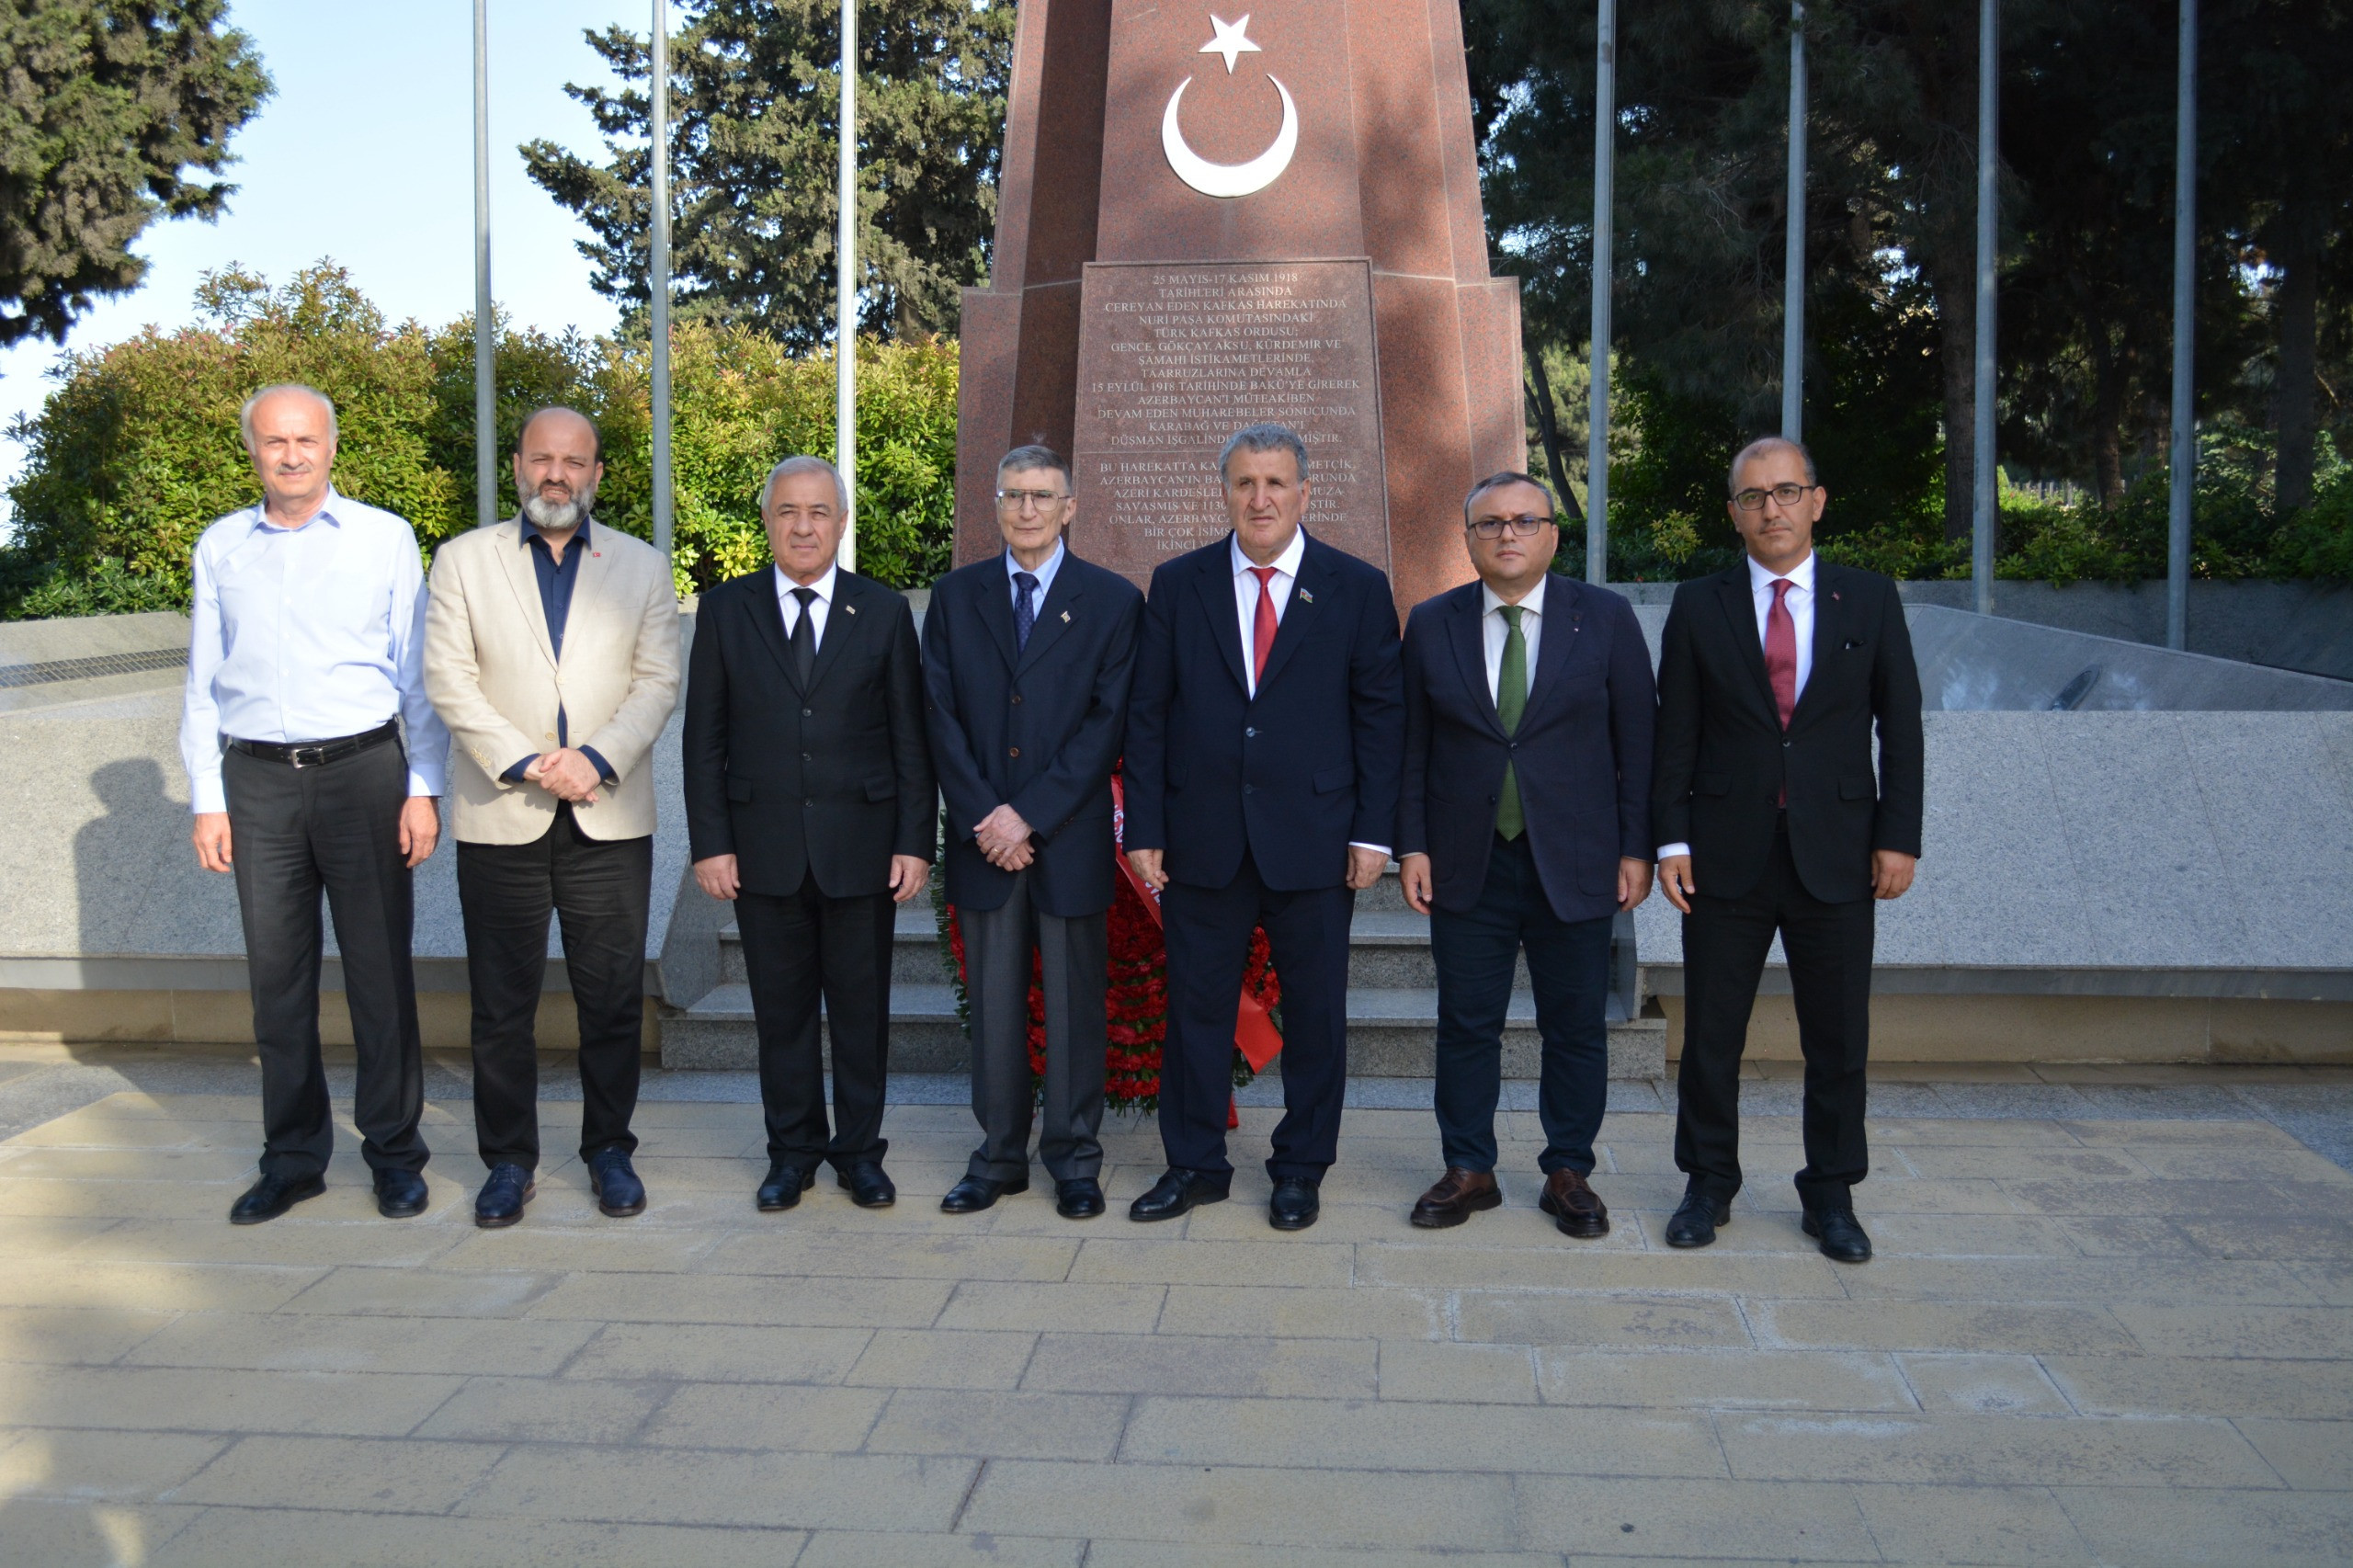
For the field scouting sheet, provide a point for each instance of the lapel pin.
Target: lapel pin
(850, 608)
(1065, 617)
(1306, 597)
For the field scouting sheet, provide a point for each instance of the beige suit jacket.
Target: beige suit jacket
(494, 676)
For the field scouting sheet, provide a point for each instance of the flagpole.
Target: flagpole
(846, 294)
(1985, 488)
(2184, 463)
(658, 271)
(486, 366)
(1605, 116)
(1793, 242)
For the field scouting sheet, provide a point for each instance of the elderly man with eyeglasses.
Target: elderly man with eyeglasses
(1524, 825)
(1772, 819)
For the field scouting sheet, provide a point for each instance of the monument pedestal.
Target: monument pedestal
(1205, 222)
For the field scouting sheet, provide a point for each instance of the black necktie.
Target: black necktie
(1025, 612)
(804, 637)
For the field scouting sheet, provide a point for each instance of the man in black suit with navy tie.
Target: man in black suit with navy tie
(1027, 659)
(1266, 732)
(1771, 819)
(1525, 823)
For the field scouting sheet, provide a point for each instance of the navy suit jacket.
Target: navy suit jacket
(1038, 727)
(1295, 776)
(1581, 755)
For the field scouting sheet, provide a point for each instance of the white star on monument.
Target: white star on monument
(1233, 40)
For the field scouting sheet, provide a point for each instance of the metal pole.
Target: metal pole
(1793, 244)
(846, 290)
(486, 366)
(1984, 487)
(2183, 478)
(1605, 118)
(658, 271)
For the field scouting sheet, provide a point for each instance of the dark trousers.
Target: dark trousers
(599, 889)
(1829, 948)
(1072, 964)
(1568, 965)
(1208, 932)
(293, 832)
(797, 948)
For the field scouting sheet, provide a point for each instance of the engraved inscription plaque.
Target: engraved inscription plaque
(1173, 358)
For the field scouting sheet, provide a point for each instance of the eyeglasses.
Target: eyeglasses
(1523, 524)
(1753, 500)
(1021, 500)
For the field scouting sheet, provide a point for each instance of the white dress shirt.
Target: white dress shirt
(819, 608)
(1245, 602)
(1245, 594)
(1495, 631)
(1044, 573)
(1800, 607)
(307, 634)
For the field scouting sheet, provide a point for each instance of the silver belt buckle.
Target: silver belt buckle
(305, 757)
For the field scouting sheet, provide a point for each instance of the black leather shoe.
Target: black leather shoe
(503, 1193)
(400, 1195)
(1176, 1192)
(784, 1186)
(619, 1192)
(1694, 1225)
(867, 1186)
(1294, 1204)
(1842, 1236)
(976, 1193)
(1080, 1197)
(273, 1196)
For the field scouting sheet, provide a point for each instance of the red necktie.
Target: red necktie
(1262, 631)
(1782, 650)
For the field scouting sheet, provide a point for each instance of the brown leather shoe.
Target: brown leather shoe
(1457, 1195)
(1574, 1207)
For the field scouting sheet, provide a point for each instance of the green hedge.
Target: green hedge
(137, 449)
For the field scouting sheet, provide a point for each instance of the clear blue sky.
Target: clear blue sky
(366, 154)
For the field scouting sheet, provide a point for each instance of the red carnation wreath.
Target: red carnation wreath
(1137, 1000)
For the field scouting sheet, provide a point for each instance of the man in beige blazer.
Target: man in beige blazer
(551, 654)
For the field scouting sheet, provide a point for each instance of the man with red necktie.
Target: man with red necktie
(1772, 819)
(1265, 736)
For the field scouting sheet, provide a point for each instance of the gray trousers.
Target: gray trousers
(1073, 955)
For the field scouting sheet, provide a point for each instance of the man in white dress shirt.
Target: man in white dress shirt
(315, 764)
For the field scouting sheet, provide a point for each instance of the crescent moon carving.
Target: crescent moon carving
(1229, 179)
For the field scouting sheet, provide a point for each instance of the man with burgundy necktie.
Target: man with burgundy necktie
(1772, 677)
(1266, 733)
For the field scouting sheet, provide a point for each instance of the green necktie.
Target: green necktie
(1511, 701)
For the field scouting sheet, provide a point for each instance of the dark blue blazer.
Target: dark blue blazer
(1582, 754)
(1038, 728)
(1296, 775)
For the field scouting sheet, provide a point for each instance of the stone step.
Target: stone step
(1391, 1034)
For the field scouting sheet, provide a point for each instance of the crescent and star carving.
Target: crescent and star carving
(1229, 181)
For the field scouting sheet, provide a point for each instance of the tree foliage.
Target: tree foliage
(112, 112)
(137, 449)
(755, 104)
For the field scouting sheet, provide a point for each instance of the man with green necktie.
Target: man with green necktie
(1524, 824)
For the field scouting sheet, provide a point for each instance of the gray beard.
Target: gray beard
(558, 516)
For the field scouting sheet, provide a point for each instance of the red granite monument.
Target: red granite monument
(1212, 215)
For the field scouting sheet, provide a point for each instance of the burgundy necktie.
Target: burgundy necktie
(1782, 650)
(1262, 630)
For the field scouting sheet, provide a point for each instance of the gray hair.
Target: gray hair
(1757, 448)
(1034, 458)
(1503, 481)
(245, 414)
(1265, 438)
(793, 465)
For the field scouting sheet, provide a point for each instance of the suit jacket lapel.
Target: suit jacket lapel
(1466, 632)
(1829, 636)
(767, 618)
(1216, 586)
(1740, 614)
(996, 609)
(1564, 612)
(1055, 616)
(841, 627)
(590, 577)
(1298, 622)
(515, 559)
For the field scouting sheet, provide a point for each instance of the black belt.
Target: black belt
(314, 754)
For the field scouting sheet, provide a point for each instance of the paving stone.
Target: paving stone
(44, 1531)
(1800, 1273)
(1180, 1262)
(999, 1424)
(1599, 1322)
(1901, 1450)
(1487, 1374)
(1724, 1380)
(375, 1475)
(930, 1257)
(1097, 1308)
(767, 1416)
(1180, 1364)
(204, 1400)
(1304, 1310)
(2020, 1524)
(2140, 1524)
(91, 1336)
(92, 1467)
(286, 1343)
(1693, 1519)
(2312, 1456)
(2293, 1332)
(1352, 1435)
(421, 1292)
(943, 1358)
(1103, 1553)
(544, 1410)
(858, 1549)
(714, 1353)
(185, 1286)
(706, 1486)
(239, 1538)
(744, 1299)
(2110, 1281)
(2207, 1385)
(1975, 1326)
(1983, 1385)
